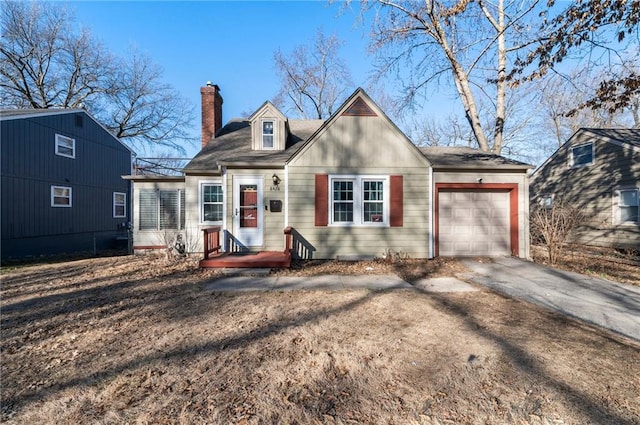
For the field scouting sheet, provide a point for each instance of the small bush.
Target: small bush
(554, 225)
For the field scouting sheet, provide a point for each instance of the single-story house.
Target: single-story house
(62, 188)
(353, 186)
(598, 171)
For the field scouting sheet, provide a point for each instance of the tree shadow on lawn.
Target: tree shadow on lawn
(526, 362)
(129, 296)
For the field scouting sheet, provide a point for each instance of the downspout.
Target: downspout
(223, 173)
(432, 208)
(286, 195)
(130, 205)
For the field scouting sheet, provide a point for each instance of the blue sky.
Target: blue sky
(228, 43)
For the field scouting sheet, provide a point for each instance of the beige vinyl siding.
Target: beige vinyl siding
(366, 241)
(355, 142)
(361, 146)
(591, 188)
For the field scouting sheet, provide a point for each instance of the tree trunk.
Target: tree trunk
(501, 83)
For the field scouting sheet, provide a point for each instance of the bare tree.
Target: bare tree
(45, 64)
(466, 43)
(313, 78)
(595, 30)
(431, 132)
(141, 108)
(42, 64)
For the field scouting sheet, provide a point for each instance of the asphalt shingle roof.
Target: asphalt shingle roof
(232, 145)
(624, 135)
(465, 157)
(12, 113)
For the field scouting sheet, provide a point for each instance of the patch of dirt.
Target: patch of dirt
(605, 263)
(139, 340)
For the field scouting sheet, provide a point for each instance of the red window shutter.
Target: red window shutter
(322, 199)
(396, 212)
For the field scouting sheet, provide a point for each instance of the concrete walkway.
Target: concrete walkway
(265, 282)
(601, 302)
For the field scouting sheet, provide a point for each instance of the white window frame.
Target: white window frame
(273, 134)
(546, 201)
(620, 206)
(358, 200)
(70, 197)
(180, 211)
(201, 200)
(586, 164)
(117, 204)
(62, 141)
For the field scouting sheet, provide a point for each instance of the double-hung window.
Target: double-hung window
(119, 204)
(267, 134)
(65, 146)
(161, 209)
(61, 196)
(211, 203)
(582, 155)
(359, 200)
(343, 201)
(628, 206)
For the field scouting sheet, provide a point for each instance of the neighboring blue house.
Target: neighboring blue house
(62, 190)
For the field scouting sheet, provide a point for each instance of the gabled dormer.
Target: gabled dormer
(268, 129)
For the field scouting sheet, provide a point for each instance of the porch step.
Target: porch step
(260, 259)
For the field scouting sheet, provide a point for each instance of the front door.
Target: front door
(247, 211)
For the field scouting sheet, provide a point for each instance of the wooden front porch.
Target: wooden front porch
(215, 258)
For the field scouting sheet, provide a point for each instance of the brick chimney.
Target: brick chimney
(211, 112)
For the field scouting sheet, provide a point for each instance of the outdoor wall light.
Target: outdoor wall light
(276, 179)
(480, 180)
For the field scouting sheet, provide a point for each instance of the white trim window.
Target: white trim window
(359, 200)
(61, 196)
(211, 203)
(161, 209)
(628, 206)
(268, 132)
(119, 204)
(546, 201)
(65, 146)
(583, 155)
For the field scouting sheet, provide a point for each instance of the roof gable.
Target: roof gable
(18, 114)
(629, 138)
(267, 109)
(359, 133)
(276, 123)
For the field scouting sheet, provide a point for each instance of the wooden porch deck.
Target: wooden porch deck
(215, 258)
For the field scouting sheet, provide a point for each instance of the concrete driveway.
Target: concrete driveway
(601, 302)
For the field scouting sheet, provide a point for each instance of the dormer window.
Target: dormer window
(268, 129)
(267, 134)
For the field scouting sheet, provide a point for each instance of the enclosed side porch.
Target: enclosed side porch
(215, 257)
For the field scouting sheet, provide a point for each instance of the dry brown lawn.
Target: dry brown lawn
(135, 340)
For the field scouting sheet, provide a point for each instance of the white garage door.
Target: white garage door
(473, 223)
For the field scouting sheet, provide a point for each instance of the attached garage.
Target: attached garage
(474, 220)
(480, 203)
